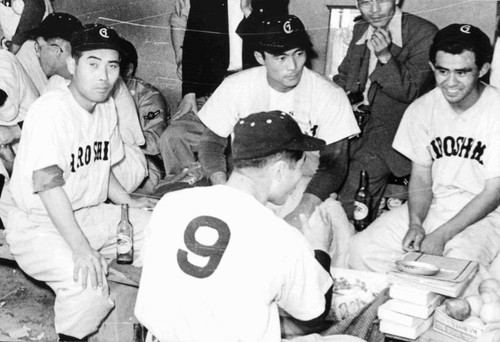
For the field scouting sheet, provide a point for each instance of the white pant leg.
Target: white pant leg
(108, 216)
(42, 253)
(378, 246)
(132, 169)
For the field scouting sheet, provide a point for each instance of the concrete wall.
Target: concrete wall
(145, 23)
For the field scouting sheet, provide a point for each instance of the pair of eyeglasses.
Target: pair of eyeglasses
(39, 47)
(368, 3)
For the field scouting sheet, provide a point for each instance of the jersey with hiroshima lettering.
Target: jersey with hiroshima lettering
(58, 131)
(462, 149)
(218, 264)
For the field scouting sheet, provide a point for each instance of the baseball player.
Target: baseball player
(452, 137)
(320, 108)
(222, 268)
(61, 230)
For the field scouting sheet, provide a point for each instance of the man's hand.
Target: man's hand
(179, 6)
(434, 243)
(306, 207)
(218, 178)
(142, 202)
(413, 238)
(9, 134)
(89, 262)
(319, 237)
(381, 40)
(188, 104)
(246, 7)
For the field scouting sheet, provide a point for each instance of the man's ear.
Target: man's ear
(70, 61)
(484, 69)
(432, 66)
(259, 57)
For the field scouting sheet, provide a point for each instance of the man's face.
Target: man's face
(286, 182)
(94, 75)
(377, 12)
(285, 70)
(53, 54)
(458, 78)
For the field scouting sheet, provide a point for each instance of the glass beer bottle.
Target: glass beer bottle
(362, 201)
(124, 239)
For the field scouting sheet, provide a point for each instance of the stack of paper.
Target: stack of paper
(409, 311)
(414, 297)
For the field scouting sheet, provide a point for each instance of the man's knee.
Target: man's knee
(79, 312)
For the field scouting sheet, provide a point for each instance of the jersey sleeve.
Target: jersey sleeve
(492, 152)
(335, 119)
(220, 112)
(412, 137)
(305, 283)
(43, 138)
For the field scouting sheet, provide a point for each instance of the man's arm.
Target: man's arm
(328, 178)
(154, 114)
(212, 158)
(477, 209)
(118, 195)
(419, 202)
(30, 18)
(88, 262)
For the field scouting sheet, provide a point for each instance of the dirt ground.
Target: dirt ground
(26, 307)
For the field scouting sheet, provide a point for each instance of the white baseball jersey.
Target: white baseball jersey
(463, 149)
(58, 131)
(19, 88)
(320, 107)
(218, 264)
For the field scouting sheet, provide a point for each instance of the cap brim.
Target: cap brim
(100, 46)
(307, 143)
(44, 32)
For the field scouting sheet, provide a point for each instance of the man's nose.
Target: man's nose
(452, 80)
(292, 63)
(103, 74)
(375, 7)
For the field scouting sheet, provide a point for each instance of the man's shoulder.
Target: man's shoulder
(314, 80)
(247, 74)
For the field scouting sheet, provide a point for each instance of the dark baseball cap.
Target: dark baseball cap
(280, 34)
(56, 25)
(468, 35)
(96, 37)
(266, 133)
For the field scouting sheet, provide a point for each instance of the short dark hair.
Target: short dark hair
(291, 157)
(128, 56)
(457, 47)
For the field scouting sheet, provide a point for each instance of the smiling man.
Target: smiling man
(452, 137)
(385, 69)
(282, 82)
(61, 232)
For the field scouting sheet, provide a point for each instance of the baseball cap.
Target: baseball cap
(280, 34)
(266, 133)
(95, 37)
(466, 34)
(56, 25)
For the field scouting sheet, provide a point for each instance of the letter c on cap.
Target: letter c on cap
(465, 29)
(104, 33)
(287, 27)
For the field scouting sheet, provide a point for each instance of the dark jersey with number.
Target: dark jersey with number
(217, 266)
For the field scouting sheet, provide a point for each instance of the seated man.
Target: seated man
(283, 83)
(221, 269)
(153, 111)
(385, 69)
(45, 58)
(452, 137)
(61, 229)
(17, 93)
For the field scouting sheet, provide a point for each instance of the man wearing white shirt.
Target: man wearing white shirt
(386, 68)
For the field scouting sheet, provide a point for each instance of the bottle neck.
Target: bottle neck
(124, 212)
(363, 179)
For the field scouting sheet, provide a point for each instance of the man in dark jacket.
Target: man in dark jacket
(386, 68)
